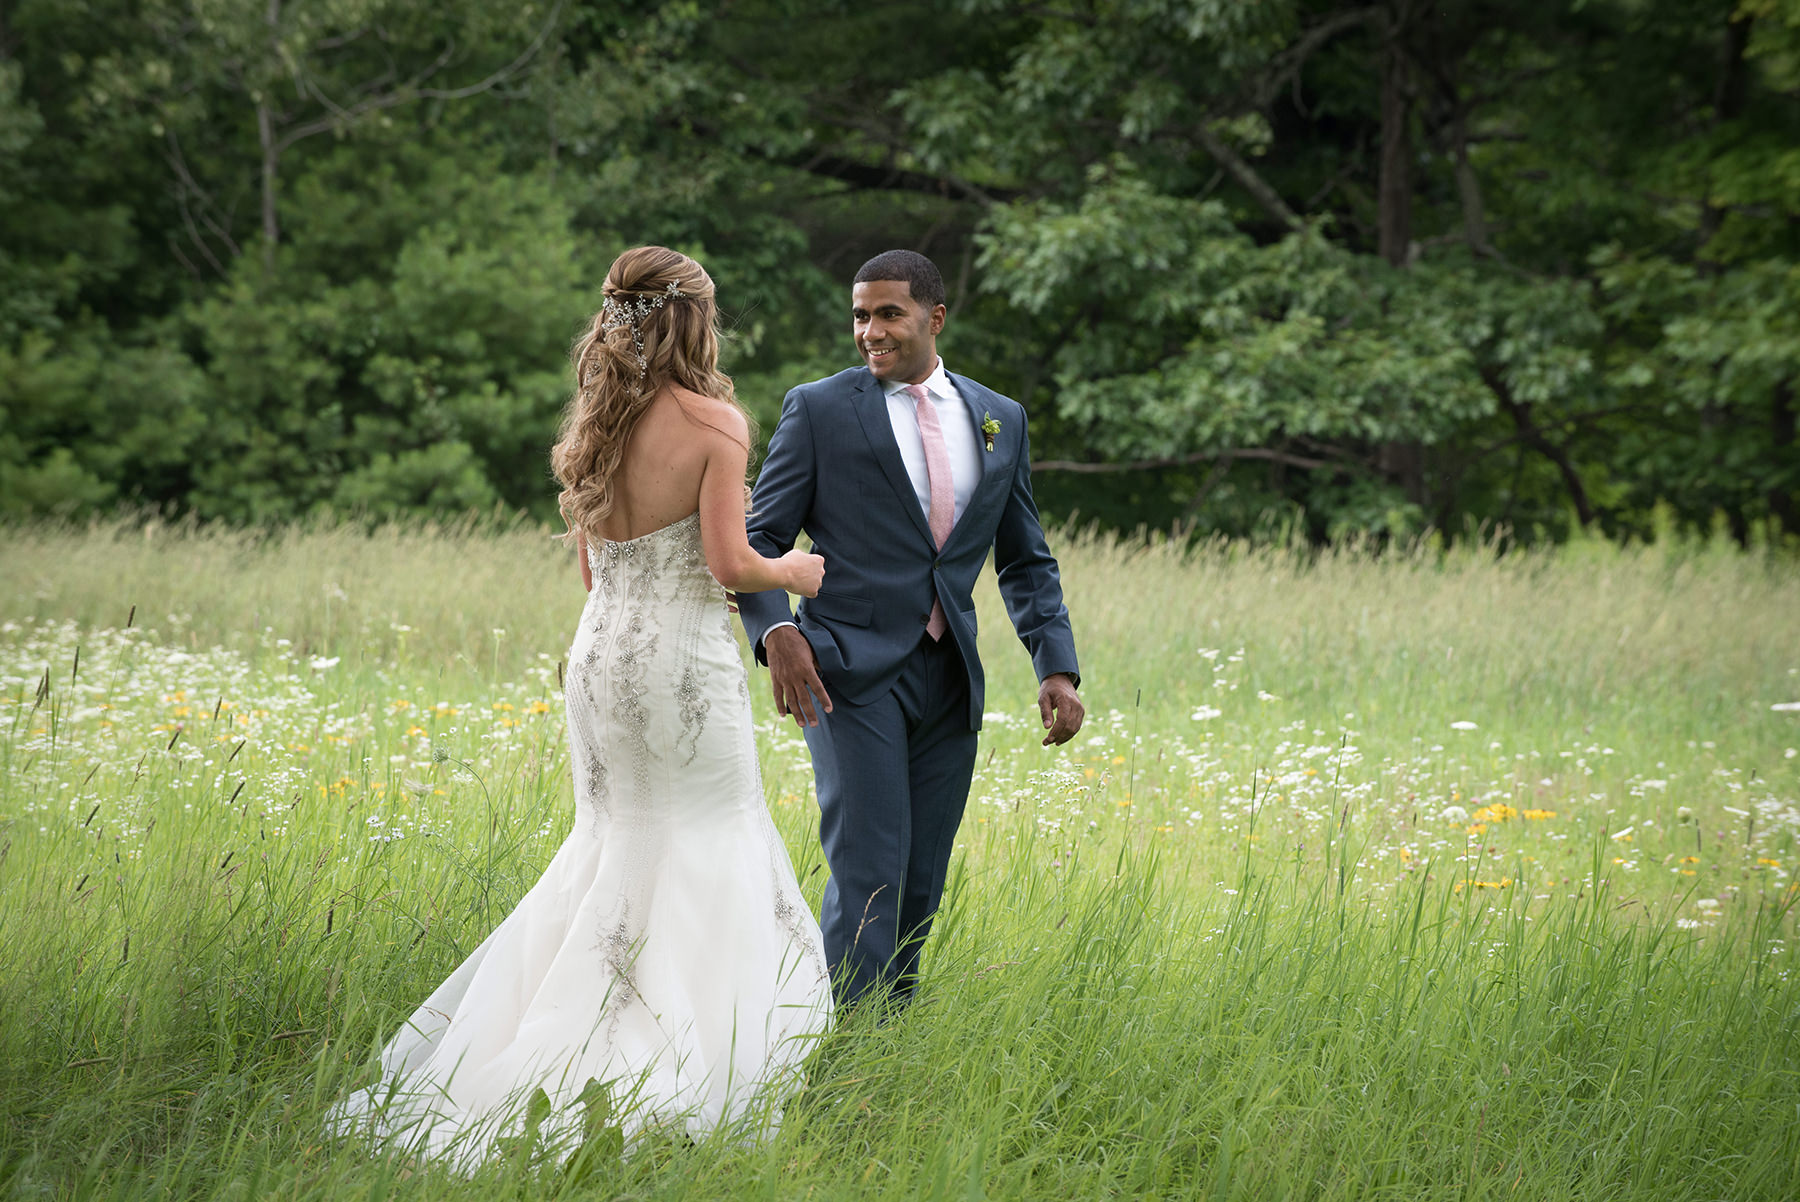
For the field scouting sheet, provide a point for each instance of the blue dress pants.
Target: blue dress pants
(892, 777)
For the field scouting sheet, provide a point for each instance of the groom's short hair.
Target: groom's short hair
(921, 274)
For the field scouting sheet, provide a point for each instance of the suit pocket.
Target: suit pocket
(840, 607)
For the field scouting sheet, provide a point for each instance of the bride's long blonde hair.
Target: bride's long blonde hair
(658, 325)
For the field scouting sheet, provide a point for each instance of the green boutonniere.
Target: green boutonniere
(989, 428)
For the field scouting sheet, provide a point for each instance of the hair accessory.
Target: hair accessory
(617, 314)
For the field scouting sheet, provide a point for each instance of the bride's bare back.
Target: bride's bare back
(690, 452)
(665, 462)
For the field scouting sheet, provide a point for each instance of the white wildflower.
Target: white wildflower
(1205, 713)
(1462, 725)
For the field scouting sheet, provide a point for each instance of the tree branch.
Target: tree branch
(1287, 65)
(1534, 438)
(1246, 177)
(338, 116)
(1148, 465)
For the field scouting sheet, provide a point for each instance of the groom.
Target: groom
(905, 477)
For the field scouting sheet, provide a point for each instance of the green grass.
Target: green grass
(1272, 926)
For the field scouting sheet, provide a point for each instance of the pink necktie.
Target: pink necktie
(942, 514)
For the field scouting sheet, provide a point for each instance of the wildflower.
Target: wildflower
(1683, 814)
(1454, 814)
(320, 662)
(1205, 713)
(1539, 815)
(1463, 725)
(1786, 707)
(1707, 903)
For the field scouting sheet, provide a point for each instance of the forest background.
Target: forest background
(1253, 265)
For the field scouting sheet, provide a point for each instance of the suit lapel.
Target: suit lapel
(870, 403)
(995, 469)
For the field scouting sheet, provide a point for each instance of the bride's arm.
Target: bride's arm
(581, 556)
(729, 555)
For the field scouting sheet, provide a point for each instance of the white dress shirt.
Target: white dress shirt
(959, 437)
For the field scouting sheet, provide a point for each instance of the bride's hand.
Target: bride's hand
(806, 572)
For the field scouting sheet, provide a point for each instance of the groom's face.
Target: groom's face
(896, 335)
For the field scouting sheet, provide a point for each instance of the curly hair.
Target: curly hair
(614, 387)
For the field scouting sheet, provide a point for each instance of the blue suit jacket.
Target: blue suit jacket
(834, 470)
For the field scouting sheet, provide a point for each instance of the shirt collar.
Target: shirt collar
(937, 384)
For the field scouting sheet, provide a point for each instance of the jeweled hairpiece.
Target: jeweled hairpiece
(616, 314)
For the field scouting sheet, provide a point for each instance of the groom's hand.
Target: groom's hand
(794, 676)
(1060, 708)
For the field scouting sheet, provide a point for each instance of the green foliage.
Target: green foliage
(340, 248)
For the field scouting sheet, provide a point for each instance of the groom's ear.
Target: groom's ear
(938, 314)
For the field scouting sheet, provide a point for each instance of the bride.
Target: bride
(666, 960)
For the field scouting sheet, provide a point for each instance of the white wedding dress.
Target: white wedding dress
(666, 952)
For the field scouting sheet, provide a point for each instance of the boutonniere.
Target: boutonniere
(989, 428)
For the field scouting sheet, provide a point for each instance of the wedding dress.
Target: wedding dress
(666, 953)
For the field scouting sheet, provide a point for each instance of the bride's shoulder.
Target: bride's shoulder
(711, 414)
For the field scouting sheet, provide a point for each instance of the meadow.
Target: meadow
(1422, 873)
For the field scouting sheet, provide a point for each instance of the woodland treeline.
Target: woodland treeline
(1250, 264)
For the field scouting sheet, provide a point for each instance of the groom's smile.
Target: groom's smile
(896, 334)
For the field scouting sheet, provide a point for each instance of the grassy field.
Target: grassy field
(1422, 875)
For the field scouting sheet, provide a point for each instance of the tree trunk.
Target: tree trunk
(1468, 185)
(1784, 501)
(1729, 98)
(271, 167)
(271, 152)
(1394, 190)
(1403, 461)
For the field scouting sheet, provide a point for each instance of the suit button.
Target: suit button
(925, 619)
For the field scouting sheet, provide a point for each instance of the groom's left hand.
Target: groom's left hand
(1060, 708)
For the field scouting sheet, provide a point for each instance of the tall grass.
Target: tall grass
(1271, 927)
